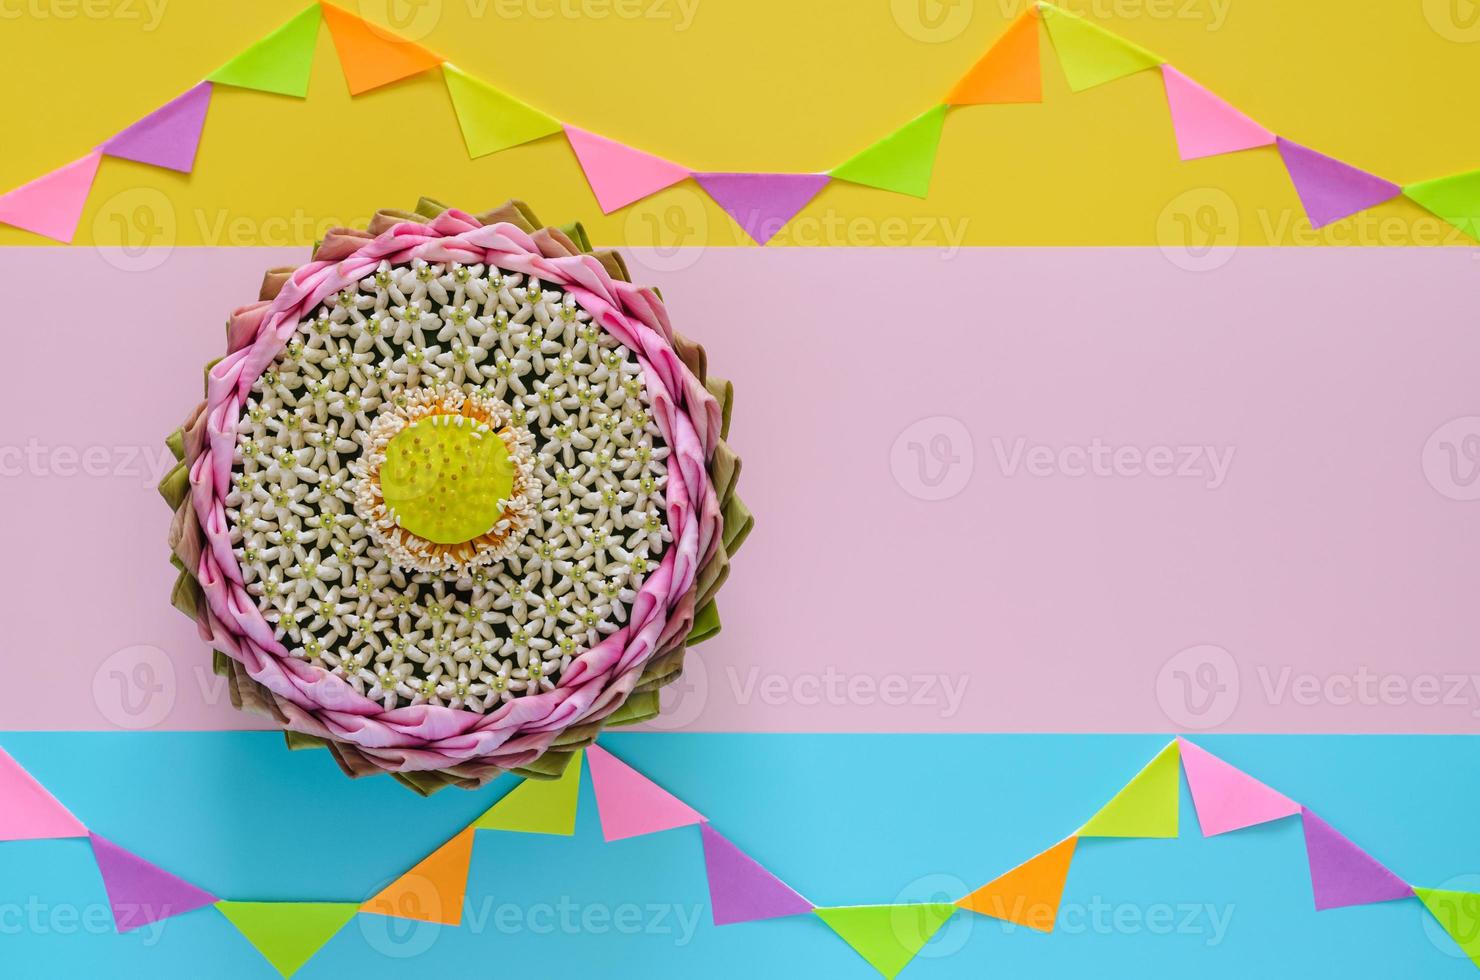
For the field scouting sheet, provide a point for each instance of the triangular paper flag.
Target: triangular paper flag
(1028, 894)
(629, 803)
(1146, 807)
(432, 891)
(1341, 873)
(1456, 199)
(1227, 798)
(372, 56)
(1458, 913)
(140, 893)
(287, 934)
(888, 936)
(762, 203)
(1089, 54)
(281, 62)
(1329, 189)
(52, 205)
(169, 135)
(740, 890)
(901, 161)
(618, 174)
(538, 806)
(27, 810)
(1008, 72)
(1204, 124)
(492, 120)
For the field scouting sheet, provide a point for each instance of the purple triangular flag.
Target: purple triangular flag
(1329, 189)
(140, 893)
(168, 136)
(762, 203)
(1341, 873)
(740, 890)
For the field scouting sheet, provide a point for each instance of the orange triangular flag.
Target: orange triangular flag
(1008, 72)
(1028, 894)
(433, 890)
(373, 56)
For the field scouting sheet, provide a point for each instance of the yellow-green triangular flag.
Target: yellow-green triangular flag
(888, 936)
(288, 933)
(901, 161)
(1456, 199)
(1458, 913)
(281, 62)
(538, 806)
(492, 120)
(1146, 806)
(1089, 54)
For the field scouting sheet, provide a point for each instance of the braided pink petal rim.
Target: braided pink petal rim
(425, 737)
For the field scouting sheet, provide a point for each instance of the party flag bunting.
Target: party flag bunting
(762, 203)
(1227, 798)
(433, 891)
(901, 161)
(280, 63)
(1329, 189)
(1458, 913)
(492, 120)
(618, 174)
(740, 890)
(1008, 72)
(1204, 124)
(1089, 54)
(140, 893)
(888, 936)
(1456, 199)
(27, 810)
(1343, 874)
(1028, 894)
(372, 56)
(1146, 806)
(288, 934)
(629, 803)
(538, 806)
(52, 205)
(168, 136)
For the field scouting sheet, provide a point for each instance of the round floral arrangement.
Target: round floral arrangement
(457, 497)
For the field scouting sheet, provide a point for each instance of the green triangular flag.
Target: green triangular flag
(288, 933)
(538, 806)
(1458, 913)
(1146, 806)
(1089, 54)
(900, 161)
(1456, 199)
(281, 62)
(888, 936)
(492, 120)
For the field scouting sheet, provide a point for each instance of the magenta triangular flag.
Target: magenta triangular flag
(740, 890)
(140, 893)
(1343, 874)
(1227, 798)
(1204, 124)
(1329, 189)
(762, 203)
(27, 810)
(618, 174)
(629, 803)
(52, 205)
(169, 135)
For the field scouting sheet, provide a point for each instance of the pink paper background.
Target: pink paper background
(1327, 585)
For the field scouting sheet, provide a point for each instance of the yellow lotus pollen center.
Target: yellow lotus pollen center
(444, 476)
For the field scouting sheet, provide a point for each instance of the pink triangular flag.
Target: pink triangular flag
(169, 135)
(618, 174)
(1205, 125)
(27, 810)
(52, 205)
(1329, 189)
(1341, 873)
(629, 803)
(1227, 798)
(762, 203)
(138, 892)
(740, 890)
